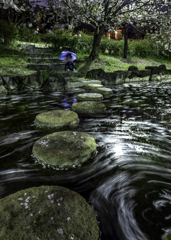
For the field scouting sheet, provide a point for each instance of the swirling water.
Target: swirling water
(128, 184)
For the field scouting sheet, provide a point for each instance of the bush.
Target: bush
(141, 48)
(8, 32)
(66, 40)
(28, 35)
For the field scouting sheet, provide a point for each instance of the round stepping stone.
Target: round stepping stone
(92, 86)
(57, 119)
(47, 212)
(88, 107)
(89, 97)
(104, 91)
(64, 149)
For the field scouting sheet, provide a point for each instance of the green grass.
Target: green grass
(13, 62)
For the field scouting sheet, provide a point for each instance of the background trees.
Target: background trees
(101, 15)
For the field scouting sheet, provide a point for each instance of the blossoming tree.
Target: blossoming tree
(104, 14)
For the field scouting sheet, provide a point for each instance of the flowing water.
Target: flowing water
(128, 184)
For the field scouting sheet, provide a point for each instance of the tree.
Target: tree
(104, 15)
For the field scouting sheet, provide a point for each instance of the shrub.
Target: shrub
(8, 32)
(28, 35)
(66, 40)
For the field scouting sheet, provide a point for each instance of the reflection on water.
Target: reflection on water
(128, 184)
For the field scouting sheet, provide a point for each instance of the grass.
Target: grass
(14, 62)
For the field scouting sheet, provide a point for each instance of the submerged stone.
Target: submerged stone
(104, 91)
(47, 212)
(56, 119)
(64, 149)
(92, 86)
(88, 107)
(89, 97)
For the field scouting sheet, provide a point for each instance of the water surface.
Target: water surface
(128, 184)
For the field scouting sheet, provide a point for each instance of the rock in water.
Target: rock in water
(88, 107)
(89, 97)
(57, 119)
(64, 149)
(47, 213)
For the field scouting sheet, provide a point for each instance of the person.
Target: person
(69, 62)
(69, 100)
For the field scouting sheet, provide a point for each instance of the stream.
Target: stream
(128, 183)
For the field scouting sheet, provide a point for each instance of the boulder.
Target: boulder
(132, 68)
(162, 69)
(95, 73)
(47, 212)
(89, 97)
(11, 82)
(3, 89)
(116, 77)
(140, 73)
(57, 119)
(154, 69)
(53, 83)
(34, 81)
(64, 149)
(88, 107)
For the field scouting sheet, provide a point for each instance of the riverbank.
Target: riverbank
(14, 62)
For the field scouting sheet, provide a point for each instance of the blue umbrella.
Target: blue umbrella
(64, 53)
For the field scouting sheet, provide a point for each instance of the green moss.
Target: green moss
(64, 149)
(104, 91)
(90, 86)
(89, 97)
(47, 212)
(88, 107)
(57, 119)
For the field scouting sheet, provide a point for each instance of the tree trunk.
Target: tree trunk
(126, 40)
(98, 33)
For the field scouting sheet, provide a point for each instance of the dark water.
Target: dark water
(128, 183)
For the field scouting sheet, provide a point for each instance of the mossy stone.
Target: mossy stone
(64, 149)
(47, 212)
(89, 97)
(88, 107)
(56, 119)
(92, 86)
(104, 91)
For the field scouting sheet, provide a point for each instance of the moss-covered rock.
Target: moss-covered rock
(89, 97)
(47, 212)
(104, 91)
(92, 86)
(88, 107)
(57, 119)
(64, 149)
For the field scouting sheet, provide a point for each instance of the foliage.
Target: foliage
(8, 32)
(160, 42)
(63, 39)
(28, 35)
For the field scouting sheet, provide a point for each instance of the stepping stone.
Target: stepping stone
(64, 149)
(104, 91)
(89, 97)
(88, 107)
(47, 212)
(93, 86)
(57, 119)
(73, 84)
